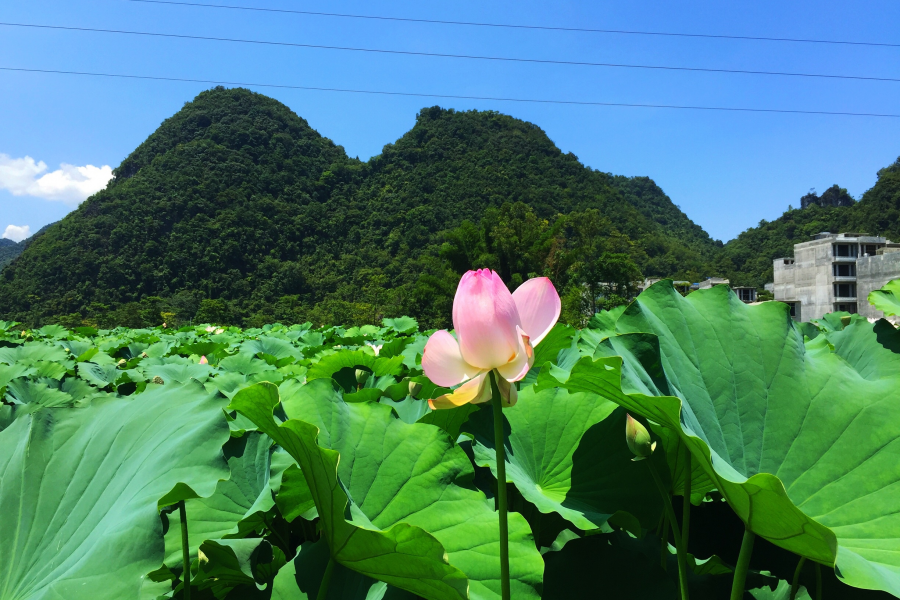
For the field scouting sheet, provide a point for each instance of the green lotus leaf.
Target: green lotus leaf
(450, 420)
(559, 338)
(179, 373)
(331, 364)
(300, 580)
(566, 453)
(401, 473)
(231, 563)
(239, 503)
(401, 324)
(781, 592)
(294, 497)
(14, 371)
(23, 391)
(803, 440)
(80, 490)
(403, 555)
(99, 375)
(887, 299)
(277, 348)
(31, 352)
(244, 364)
(53, 331)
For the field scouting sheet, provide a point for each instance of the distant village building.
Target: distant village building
(835, 272)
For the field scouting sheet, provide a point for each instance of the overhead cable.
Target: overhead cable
(456, 96)
(520, 26)
(457, 56)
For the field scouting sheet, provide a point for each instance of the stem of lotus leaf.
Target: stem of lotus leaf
(500, 447)
(686, 510)
(676, 532)
(185, 551)
(743, 563)
(664, 541)
(818, 581)
(795, 584)
(326, 580)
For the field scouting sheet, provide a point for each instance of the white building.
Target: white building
(835, 272)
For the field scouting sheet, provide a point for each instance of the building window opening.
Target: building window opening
(870, 250)
(845, 250)
(746, 294)
(849, 307)
(844, 270)
(845, 290)
(793, 307)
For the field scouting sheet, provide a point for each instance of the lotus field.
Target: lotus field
(293, 462)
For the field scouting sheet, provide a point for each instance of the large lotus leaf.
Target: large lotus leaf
(251, 563)
(404, 555)
(781, 592)
(23, 391)
(887, 299)
(566, 453)
(329, 365)
(33, 352)
(10, 372)
(559, 338)
(244, 364)
(401, 473)
(99, 375)
(402, 324)
(300, 580)
(238, 505)
(179, 373)
(80, 490)
(53, 331)
(277, 348)
(803, 442)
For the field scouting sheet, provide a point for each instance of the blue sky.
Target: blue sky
(725, 170)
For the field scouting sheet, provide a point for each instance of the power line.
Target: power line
(517, 26)
(441, 55)
(455, 96)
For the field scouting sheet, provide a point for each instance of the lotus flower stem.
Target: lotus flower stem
(499, 445)
(795, 584)
(326, 580)
(676, 532)
(743, 563)
(686, 509)
(185, 551)
(818, 581)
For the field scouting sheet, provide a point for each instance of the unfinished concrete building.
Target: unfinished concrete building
(835, 272)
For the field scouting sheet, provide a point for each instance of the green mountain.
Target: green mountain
(235, 210)
(747, 259)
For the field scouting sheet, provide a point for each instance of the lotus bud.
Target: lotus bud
(68, 351)
(203, 360)
(24, 333)
(414, 388)
(638, 439)
(144, 355)
(361, 376)
(158, 380)
(121, 363)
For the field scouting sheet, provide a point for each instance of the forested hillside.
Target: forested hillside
(236, 211)
(747, 259)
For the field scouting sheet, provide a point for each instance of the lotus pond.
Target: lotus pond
(280, 458)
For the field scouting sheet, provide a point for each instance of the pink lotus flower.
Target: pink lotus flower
(203, 360)
(496, 331)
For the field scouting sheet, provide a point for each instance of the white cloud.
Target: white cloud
(16, 233)
(70, 184)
